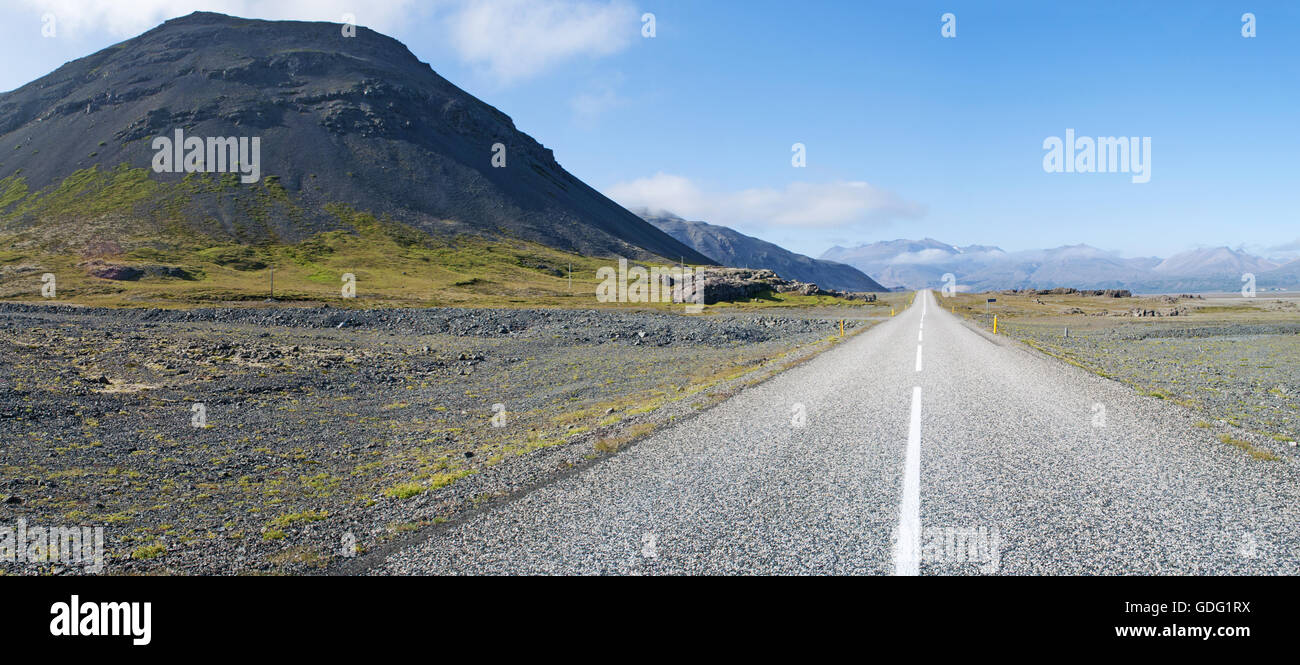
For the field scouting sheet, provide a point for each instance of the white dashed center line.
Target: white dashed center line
(906, 549)
(924, 304)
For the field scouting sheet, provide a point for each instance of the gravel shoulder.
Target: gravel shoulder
(1235, 361)
(1082, 474)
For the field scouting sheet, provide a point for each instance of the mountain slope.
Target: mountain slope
(914, 264)
(1215, 261)
(1286, 276)
(354, 121)
(1078, 266)
(737, 250)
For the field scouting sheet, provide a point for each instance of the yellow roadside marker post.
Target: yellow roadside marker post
(891, 311)
(995, 324)
(841, 327)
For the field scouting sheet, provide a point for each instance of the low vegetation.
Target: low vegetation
(1234, 359)
(99, 222)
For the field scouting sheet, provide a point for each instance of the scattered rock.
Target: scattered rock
(732, 284)
(1065, 291)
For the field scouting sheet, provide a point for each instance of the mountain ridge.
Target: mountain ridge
(1213, 261)
(915, 264)
(737, 250)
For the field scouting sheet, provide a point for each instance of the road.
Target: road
(926, 447)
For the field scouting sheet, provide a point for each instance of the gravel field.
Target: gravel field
(322, 427)
(1243, 375)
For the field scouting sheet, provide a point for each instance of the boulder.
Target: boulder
(131, 273)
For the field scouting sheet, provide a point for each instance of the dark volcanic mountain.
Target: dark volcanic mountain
(737, 250)
(355, 121)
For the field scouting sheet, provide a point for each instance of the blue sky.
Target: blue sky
(908, 133)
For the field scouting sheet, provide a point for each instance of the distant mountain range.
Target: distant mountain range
(737, 250)
(1213, 261)
(914, 264)
(358, 122)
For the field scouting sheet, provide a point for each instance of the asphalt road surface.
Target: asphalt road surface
(923, 447)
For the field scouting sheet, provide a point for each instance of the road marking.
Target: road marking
(918, 335)
(906, 561)
(918, 357)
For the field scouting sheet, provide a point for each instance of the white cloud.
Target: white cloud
(805, 205)
(936, 255)
(516, 39)
(924, 256)
(127, 19)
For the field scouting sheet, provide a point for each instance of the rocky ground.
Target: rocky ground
(273, 439)
(1236, 360)
(1240, 375)
(733, 284)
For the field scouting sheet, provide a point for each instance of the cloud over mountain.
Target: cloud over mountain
(799, 204)
(919, 264)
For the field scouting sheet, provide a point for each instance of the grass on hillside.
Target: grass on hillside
(123, 217)
(465, 271)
